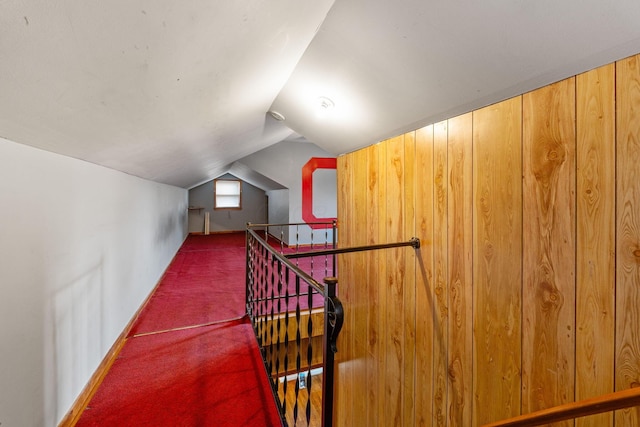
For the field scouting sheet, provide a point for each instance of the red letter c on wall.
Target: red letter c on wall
(307, 189)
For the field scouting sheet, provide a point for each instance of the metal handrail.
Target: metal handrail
(330, 224)
(592, 406)
(333, 319)
(333, 309)
(413, 242)
(252, 225)
(282, 258)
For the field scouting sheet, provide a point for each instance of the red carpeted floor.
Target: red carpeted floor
(170, 373)
(205, 283)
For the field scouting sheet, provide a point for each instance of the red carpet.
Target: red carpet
(203, 376)
(209, 376)
(317, 267)
(205, 283)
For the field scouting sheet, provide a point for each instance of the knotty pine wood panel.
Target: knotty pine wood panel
(381, 282)
(344, 377)
(440, 268)
(424, 278)
(548, 346)
(393, 339)
(373, 230)
(497, 260)
(408, 280)
(460, 213)
(359, 287)
(595, 238)
(628, 233)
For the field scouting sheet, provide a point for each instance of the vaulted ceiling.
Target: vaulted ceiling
(176, 92)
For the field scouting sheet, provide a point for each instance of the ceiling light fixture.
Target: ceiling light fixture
(279, 117)
(325, 103)
(323, 107)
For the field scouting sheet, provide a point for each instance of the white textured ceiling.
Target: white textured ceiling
(178, 91)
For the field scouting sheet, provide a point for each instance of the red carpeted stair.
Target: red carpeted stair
(191, 358)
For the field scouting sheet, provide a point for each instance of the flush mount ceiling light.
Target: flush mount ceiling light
(323, 107)
(279, 117)
(325, 103)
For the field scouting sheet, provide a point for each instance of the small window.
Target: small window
(227, 194)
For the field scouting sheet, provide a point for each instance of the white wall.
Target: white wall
(325, 182)
(81, 247)
(279, 210)
(278, 206)
(283, 162)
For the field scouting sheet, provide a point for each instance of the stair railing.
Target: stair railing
(592, 406)
(296, 320)
(283, 301)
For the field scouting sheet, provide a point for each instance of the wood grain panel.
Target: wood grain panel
(408, 280)
(497, 260)
(373, 290)
(360, 302)
(628, 233)
(344, 377)
(381, 281)
(595, 238)
(394, 341)
(460, 292)
(440, 273)
(481, 324)
(548, 347)
(424, 277)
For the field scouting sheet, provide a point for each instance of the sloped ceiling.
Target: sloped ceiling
(254, 178)
(177, 91)
(391, 67)
(172, 91)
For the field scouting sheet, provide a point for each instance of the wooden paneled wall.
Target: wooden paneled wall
(525, 293)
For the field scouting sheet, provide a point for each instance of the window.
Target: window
(227, 194)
